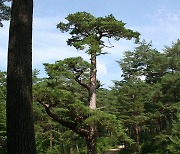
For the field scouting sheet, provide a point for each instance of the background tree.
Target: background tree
(132, 97)
(4, 11)
(150, 90)
(3, 112)
(20, 129)
(174, 138)
(145, 62)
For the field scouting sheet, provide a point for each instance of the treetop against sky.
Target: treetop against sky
(156, 20)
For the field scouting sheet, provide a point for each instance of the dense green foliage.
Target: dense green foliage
(88, 31)
(146, 102)
(68, 101)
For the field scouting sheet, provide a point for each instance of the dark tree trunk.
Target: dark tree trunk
(91, 141)
(91, 146)
(20, 129)
(50, 138)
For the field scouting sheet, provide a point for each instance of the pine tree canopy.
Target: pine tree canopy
(87, 30)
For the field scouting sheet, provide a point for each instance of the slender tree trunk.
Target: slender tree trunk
(50, 138)
(71, 148)
(20, 129)
(137, 139)
(77, 148)
(92, 93)
(91, 143)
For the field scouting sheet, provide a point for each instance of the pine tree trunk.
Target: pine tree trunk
(50, 138)
(91, 139)
(137, 139)
(20, 129)
(92, 95)
(91, 143)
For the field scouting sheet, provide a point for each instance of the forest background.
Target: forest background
(158, 122)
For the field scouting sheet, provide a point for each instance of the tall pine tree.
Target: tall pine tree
(88, 33)
(20, 129)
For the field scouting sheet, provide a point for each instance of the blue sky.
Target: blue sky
(157, 21)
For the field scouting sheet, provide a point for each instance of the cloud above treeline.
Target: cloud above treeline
(163, 27)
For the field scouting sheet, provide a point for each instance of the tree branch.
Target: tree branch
(69, 124)
(82, 84)
(86, 34)
(79, 81)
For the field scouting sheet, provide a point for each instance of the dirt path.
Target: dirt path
(113, 151)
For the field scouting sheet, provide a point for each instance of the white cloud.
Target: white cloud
(4, 32)
(101, 69)
(49, 44)
(162, 28)
(165, 17)
(119, 47)
(44, 23)
(3, 59)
